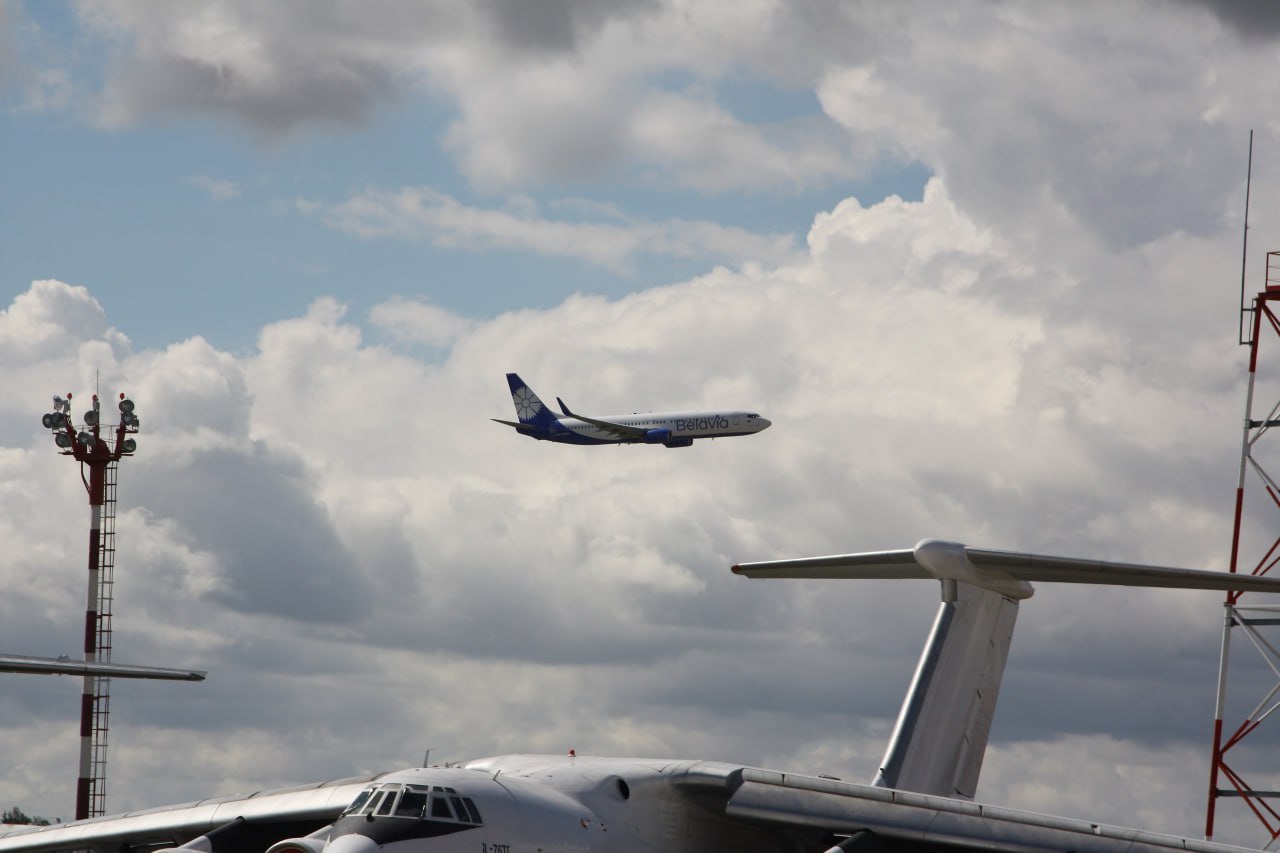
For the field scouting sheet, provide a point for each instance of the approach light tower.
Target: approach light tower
(98, 457)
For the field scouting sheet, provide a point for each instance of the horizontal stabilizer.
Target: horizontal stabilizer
(869, 565)
(1004, 565)
(516, 424)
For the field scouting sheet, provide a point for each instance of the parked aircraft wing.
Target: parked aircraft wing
(619, 430)
(69, 666)
(843, 808)
(262, 816)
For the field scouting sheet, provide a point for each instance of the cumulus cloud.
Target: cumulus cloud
(526, 111)
(1251, 19)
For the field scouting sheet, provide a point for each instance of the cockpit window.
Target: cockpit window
(387, 802)
(440, 807)
(415, 802)
(359, 801)
(412, 803)
(373, 802)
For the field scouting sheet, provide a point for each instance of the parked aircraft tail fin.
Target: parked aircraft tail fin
(940, 738)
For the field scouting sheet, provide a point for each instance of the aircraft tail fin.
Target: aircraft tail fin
(530, 410)
(940, 738)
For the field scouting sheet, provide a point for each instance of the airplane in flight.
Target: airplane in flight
(920, 800)
(672, 429)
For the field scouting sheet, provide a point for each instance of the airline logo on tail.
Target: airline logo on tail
(527, 403)
(671, 429)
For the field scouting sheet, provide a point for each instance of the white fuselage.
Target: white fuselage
(682, 425)
(542, 804)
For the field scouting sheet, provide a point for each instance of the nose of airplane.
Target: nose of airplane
(763, 423)
(352, 844)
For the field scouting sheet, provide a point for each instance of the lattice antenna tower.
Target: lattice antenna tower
(1235, 768)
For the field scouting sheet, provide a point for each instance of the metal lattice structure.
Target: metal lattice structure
(1255, 548)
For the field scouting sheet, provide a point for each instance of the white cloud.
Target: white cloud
(421, 213)
(416, 321)
(218, 189)
(586, 97)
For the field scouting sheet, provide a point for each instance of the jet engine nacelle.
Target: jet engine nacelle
(657, 436)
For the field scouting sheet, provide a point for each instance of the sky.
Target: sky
(978, 261)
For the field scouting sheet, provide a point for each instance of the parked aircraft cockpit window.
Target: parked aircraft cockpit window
(459, 809)
(448, 804)
(416, 802)
(413, 802)
(388, 802)
(373, 803)
(358, 801)
(440, 807)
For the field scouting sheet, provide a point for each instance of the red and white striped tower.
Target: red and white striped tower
(97, 458)
(1253, 533)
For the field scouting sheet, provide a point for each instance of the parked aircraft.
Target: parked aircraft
(673, 429)
(919, 801)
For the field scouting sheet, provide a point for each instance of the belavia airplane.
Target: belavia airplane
(920, 801)
(673, 429)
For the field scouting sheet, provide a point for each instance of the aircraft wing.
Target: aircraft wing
(623, 431)
(242, 822)
(69, 666)
(822, 805)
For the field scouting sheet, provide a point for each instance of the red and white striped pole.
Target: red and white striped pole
(95, 457)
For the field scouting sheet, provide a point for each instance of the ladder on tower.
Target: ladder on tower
(102, 691)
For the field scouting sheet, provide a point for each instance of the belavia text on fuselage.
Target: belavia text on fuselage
(672, 429)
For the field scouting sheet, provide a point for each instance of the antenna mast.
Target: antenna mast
(1252, 533)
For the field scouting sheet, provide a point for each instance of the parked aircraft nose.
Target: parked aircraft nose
(351, 844)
